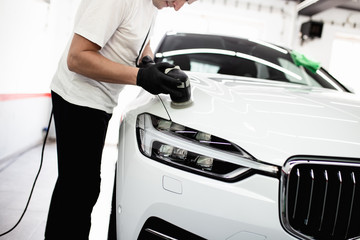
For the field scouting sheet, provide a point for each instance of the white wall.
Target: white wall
(340, 26)
(271, 20)
(33, 33)
(23, 45)
(22, 123)
(336, 21)
(343, 65)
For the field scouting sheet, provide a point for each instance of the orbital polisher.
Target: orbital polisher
(177, 73)
(184, 87)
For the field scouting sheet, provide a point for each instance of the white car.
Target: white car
(273, 154)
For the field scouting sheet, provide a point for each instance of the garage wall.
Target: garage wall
(271, 20)
(32, 39)
(24, 117)
(340, 26)
(336, 22)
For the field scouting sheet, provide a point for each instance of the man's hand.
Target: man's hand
(155, 81)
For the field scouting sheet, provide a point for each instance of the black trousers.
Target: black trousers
(80, 138)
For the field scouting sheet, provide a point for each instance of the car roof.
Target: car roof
(176, 41)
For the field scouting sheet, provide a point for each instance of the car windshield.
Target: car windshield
(241, 57)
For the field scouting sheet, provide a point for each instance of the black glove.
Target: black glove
(146, 61)
(155, 81)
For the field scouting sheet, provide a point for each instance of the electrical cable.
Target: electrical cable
(36, 178)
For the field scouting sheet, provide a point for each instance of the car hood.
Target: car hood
(272, 121)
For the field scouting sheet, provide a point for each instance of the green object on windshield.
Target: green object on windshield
(302, 60)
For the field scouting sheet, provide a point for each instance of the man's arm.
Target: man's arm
(147, 51)
(84, 58)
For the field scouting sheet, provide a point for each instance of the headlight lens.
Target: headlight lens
(196, 151)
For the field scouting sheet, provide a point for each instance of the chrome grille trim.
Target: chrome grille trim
(325, 197)
(297, 191)
(311, 196)
(352, 203)
(338, 202)
(319, 196)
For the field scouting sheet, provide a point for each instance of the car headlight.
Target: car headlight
(195, 151)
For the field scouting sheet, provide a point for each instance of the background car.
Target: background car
(267, 148)
(243, 57)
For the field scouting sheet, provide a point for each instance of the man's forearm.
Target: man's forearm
(147, 51)
(84, 58)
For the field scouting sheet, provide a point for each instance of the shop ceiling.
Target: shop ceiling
(312, 7)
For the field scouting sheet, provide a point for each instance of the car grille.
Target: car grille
(320, 198)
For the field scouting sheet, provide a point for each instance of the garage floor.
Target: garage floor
(16, 179)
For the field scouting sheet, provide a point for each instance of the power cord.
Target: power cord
(36, 178)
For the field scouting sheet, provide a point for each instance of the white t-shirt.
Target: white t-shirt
(119, 27)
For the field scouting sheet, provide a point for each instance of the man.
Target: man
(110, 39)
